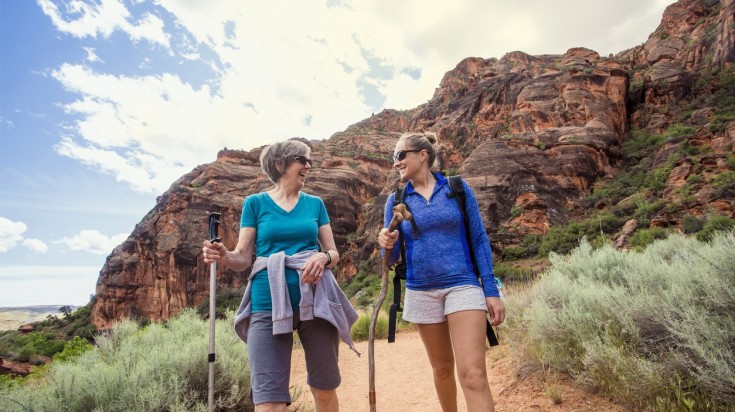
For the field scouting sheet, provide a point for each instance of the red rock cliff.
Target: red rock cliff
(532, 134)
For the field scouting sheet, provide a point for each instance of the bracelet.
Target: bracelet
(329, 257)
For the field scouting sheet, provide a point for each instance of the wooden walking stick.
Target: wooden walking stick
(400, 213)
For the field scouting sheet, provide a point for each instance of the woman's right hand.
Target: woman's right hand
(386, 239)
(213, 252)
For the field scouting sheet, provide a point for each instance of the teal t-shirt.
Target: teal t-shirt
(277, 230)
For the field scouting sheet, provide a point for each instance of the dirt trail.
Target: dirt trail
(403, 382)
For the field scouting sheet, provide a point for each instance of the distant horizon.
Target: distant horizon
(35, 306)
(29, 286)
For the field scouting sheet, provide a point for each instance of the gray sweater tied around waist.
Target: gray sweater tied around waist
(323, 300)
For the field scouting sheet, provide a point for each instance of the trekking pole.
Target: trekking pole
(399, 214)
(213, 237)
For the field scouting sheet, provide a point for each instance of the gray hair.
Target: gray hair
(422, 141)
(274, 158)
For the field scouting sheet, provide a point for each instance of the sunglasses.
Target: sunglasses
(401, 154)
(301, 159)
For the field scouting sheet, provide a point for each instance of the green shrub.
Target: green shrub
(595, 229)
(528, 248)
(645, 211)
(631, 323)
(364, 288)
(35, 343)
(226, 299)
(644, 237)
(724, 184)
(691, 225)
(656, 179)
(712, 226)
(161, 367)
(73, 349)
(507, 272)
(679, 131)
(641, 144)
(731, 161)
(361, 329)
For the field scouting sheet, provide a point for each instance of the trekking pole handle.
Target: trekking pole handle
(214, 227)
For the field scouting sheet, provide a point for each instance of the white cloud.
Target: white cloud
(35, 245)
(92, 241)
(92, 57)
(6, 123)
(11, 233)
(266, 71)
(81, 19)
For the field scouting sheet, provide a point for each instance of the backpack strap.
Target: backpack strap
(457, 192)
(456, 189)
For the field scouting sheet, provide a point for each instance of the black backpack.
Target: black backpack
(457, 192)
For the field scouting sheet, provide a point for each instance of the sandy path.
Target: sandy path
(403, 382)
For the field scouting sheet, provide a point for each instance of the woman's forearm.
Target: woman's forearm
(333, 258)
(237, 261)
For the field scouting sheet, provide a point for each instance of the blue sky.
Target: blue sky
(105, 103)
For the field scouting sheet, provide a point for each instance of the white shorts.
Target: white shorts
(433, 306)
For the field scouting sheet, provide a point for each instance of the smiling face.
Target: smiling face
(408, 161)
(297, 166)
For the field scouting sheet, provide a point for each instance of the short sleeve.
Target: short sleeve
(323, 216)
(249, 216)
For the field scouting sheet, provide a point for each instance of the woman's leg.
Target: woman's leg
(270, 364)
(320, 340)
(439, 349)
(325, 400)
(270, 407)
(467, 331)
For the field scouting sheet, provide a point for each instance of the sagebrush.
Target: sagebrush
(160, 367)
(645, 327)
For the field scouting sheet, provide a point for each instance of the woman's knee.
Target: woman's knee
(473, 378)
(321, 395)
(443, 370)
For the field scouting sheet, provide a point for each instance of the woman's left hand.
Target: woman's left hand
(313, 270)
(496, 309)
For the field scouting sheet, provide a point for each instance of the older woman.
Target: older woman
(443, 294)
(290, 286)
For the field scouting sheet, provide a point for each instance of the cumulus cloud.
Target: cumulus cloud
(82, 19)
(245, 76)
(11, 233)
(35, 245)
(92, 241)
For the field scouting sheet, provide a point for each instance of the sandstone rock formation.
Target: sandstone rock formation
(532, 134)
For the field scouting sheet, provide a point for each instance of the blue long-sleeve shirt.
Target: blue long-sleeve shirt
(439, 257)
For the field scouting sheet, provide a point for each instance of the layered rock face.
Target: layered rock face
(531, 134)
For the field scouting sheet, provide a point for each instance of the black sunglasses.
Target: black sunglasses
(401, 154)
(302, 159)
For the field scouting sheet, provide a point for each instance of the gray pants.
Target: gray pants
(270, 357)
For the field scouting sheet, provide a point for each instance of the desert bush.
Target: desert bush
(714, 225)
(724, 184)
(691, 224)
(563, 239)
(227, 299)
(634, 323)
(528, 247)
(73, 349)
(361, 329)
(507, 272)
(161, 367)
(644, 237)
